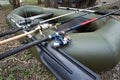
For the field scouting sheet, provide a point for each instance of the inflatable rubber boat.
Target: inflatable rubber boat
(96, 45)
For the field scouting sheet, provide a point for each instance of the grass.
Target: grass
(11, 77)
(22, 66)
(40, 71)
(27, 56)
(25, 2)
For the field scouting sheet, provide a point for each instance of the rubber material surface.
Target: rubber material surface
(99, 48)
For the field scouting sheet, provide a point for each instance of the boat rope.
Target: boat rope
(53, 36)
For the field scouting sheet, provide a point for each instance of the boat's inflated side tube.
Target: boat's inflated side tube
(98, 50)
(26, 12)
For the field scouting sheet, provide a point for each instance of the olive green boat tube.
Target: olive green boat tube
(98, 49)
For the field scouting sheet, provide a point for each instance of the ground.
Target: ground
(24, 66)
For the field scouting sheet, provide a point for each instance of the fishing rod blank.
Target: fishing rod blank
(73, 12)
(12, 31)
(90, 21)
(90, 11)
(53, 36)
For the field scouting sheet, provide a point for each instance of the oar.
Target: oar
(53, 36)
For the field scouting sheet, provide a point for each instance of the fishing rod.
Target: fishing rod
(39, 27)
(73, 12)
(16, 29)
(28, 20)
(58, 59)
(67, 20)
(53, 36)
(76, 11)
(90, 11)
(70, 13)
(20, 36)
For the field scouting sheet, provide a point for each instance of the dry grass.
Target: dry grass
(22, 66)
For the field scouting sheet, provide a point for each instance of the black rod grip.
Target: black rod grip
(12, 31)
(103, 13)
(21, 48)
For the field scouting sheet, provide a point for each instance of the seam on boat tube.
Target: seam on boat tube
(109, 46)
